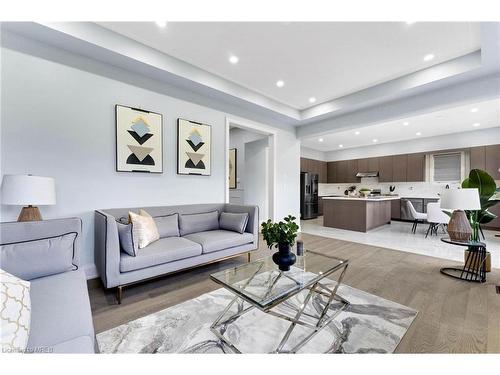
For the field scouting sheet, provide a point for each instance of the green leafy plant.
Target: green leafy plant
(282, 233)
(489, 195)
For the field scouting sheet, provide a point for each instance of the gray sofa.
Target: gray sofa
(118, 269)
(46, 253)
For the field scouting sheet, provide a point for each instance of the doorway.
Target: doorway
(253, 147)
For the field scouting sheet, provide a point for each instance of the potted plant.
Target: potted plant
(489, 195)
(282, 236)
(365, 192)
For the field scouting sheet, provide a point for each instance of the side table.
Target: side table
(474, 268)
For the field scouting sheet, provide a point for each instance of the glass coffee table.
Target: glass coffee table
(263, 286)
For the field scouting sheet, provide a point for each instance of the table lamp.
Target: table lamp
(459, 200)
(28, 191)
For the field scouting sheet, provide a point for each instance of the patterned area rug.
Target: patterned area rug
(369, 325)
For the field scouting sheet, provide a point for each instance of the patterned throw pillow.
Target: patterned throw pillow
(15, 313)
(144, 228)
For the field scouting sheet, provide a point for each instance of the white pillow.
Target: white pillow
(143, 228)
(15, 315)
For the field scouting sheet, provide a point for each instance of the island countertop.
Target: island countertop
(368, 199)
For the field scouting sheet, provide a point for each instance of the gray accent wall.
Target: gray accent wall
(58, 120)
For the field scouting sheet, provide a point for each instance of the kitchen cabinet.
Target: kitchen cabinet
(385, 169)
(415, 168)
(373, 164)
(320, 206)
(478, 158)
(492, 161)
(352, 169)
(323, 175)
(342, 171)
(363, 165)
(396, 209)
(331, 172)
(318, 167)
(399, 167)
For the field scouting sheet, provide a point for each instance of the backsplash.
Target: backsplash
(403, 189)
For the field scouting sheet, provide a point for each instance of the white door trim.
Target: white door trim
(259, 128)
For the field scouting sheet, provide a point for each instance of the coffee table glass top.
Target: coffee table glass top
(261, 282)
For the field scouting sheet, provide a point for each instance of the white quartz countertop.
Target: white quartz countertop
(369, 199)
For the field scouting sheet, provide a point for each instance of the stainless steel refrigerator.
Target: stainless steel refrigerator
(308, 195)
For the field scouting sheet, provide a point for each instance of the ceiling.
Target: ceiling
(454, 120)
(321, 60)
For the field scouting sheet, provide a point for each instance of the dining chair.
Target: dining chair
(417, 216)
(436, 218)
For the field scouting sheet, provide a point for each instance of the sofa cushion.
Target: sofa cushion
(53, 255)
(168, 225)
(216, 240)
(15, 313)
(60, 310)
(194, 223)
(126, 236)
(233, 222)
(162, 251)
(144, 228)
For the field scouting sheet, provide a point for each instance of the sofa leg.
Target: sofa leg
(248, 257)
(119, 294)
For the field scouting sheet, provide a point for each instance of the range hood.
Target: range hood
(367, 174)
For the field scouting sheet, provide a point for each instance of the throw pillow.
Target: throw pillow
(143, 228)
(168, 225)
(194, 223)
(15, 315)
(126, 236)
(233, 221)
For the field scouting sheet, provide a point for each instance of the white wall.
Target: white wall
(58, 121)
(309, 153)
(257, 176)
(459, 140)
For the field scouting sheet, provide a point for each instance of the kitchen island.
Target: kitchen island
(358, 214)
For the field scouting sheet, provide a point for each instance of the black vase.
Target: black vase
(284, 258)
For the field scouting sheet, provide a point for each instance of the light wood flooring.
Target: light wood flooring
(454, 316)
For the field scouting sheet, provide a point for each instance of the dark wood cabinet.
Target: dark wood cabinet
(320, 206)
(385, 169)
(341, 171)
(415, 170)
(363, 165)
(399, 167)
(478, 158)
(492, 161)
(323, 175)
(352, 169)
(331, 172)
(373, 164)
(396, 209)
(318, 167)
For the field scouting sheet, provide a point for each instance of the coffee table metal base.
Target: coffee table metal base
(321, 321)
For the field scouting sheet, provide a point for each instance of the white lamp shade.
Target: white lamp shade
(461, 199)
(24, 190)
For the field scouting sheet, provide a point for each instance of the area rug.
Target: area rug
(370, 324)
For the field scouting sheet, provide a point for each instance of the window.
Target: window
(446, 167)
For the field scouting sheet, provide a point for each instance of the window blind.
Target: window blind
(447, 167)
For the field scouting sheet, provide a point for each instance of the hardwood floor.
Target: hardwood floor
(454, 316)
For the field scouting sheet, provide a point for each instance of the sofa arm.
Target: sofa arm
(107, 249)
(40, 248)
(253, 217)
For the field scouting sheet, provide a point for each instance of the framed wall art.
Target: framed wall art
(139, 140)
(233, 168)
(194, 143)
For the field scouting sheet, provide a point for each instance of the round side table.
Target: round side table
(474, 268)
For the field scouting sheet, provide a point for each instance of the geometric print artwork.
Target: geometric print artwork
(15, 314)
(138, 140)
(194, 146)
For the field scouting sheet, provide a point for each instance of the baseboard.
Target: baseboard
(90, 271)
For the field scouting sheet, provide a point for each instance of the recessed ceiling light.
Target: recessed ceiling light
(406, 123)
(161, 24)
(341, 146)
(429, 57)
(476, 124)
(474, 109)
(418, 133)
(320, 139)
(280, 83)
(312, 99)
(233, 59)
(374, 140)
(357, 133)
